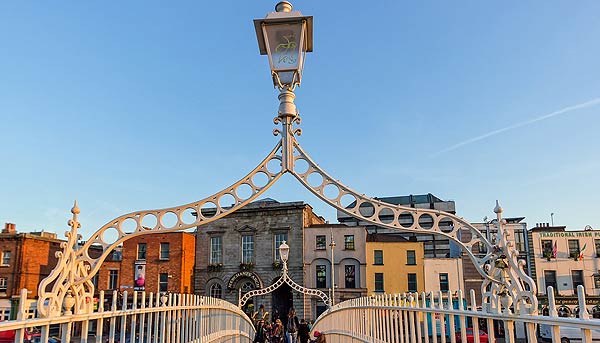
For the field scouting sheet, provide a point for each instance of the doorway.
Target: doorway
(282, 300)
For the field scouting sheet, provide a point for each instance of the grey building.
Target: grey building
(239, 253)
(434, 245)
(349, 261)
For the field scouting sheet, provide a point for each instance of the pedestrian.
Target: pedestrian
(277, 332)
(261, 334)
(319, 337)
(292, 326)
(303, 331)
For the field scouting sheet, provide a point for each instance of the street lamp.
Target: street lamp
(332, 245)
(284, 252)
(285, 36)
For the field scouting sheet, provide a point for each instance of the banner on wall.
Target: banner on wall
(139, 275)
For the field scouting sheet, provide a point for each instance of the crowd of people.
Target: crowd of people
(288, 330)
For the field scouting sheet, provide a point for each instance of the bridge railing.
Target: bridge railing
(141, 318)
(447, 317)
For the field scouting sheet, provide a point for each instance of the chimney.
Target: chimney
(10, 228)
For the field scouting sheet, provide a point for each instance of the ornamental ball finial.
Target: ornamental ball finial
(498, 208)
(283, 6)
(75, 209)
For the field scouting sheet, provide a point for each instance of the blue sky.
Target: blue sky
(141, 105)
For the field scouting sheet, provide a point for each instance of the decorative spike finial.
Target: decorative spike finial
(75, 209)
(498, 209)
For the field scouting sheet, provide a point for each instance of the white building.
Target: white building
(444, 274)
(565, 259)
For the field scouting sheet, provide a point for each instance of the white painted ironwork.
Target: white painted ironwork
(284, 279)
(140, 318)
(445, 317)
(506, 289)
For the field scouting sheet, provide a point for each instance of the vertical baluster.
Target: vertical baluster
(133, 317)
(425, 320)
(434, 318)
(99, 322)
(487, 308)
(142, 316)
(586, 334)
(462, 319)
(418, 316)
(442, 318)
(123, 318)
(451, 319)
(474, 319)
(149, 320)
(161, 302)
(397, 327)
(411, 312)
(388, 318)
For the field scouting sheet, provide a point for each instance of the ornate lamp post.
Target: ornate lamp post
(285, 36)
(332, 245)
(284, 252)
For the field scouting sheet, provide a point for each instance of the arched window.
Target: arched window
(216, 291)
(247, 287)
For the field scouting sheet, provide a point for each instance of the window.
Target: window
(379, 282)
(444, 284)
(350, 276)
(573, 248)
(278, 239)
(113, 279)
(321, 276)
(547, 248)
(520, 241)
(577, 276)
(550, 279)
(95, 280)
(163, 282)
(3, 284)
(216, 250)
(4, 314)
(411, 257)
(141, 254)
(164, 251)
(6, 258)
(117, 255)
(247, 249)
(216, 291)
(597, 280)
(321, 243)
(349, 242)
(412, 282)
(378, 257)
(597, 243)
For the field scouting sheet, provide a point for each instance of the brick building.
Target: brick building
(26, 259)
(157, 262)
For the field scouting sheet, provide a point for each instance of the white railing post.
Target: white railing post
(474, 320)
(554, 314)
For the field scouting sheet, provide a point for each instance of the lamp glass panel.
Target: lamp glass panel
(284, 45)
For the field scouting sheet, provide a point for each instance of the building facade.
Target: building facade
(239, 253)
(394, 264)
(565, 259)
(25, 260)
(444, 274)
(349, 256)
(433, 245)
(156, 262)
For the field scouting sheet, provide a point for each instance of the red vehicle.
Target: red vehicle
(483, 336)
(9, 336)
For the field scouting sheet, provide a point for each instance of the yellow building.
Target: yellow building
(394, 264)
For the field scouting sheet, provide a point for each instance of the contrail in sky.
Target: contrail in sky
(590, 103)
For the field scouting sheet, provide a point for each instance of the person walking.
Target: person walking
(292, 326)
(277, 332)
(319, 337)
(303, 331)
(261, 334)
